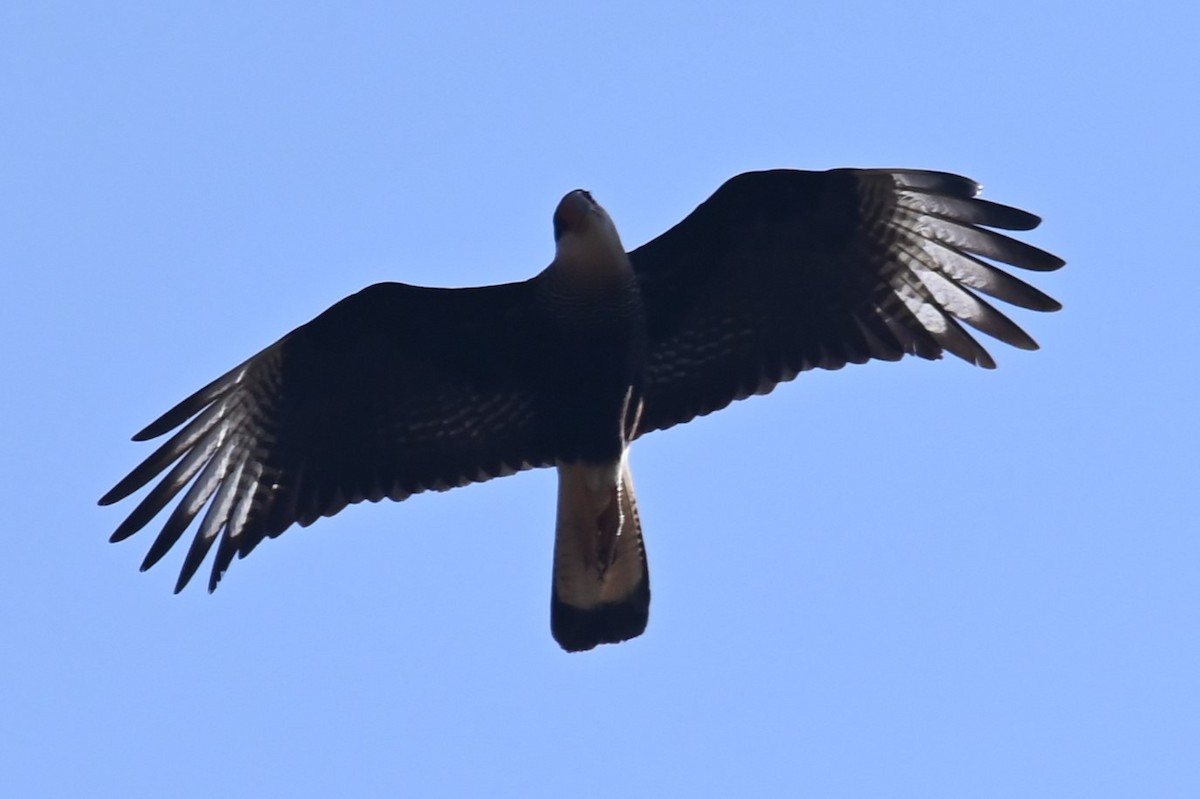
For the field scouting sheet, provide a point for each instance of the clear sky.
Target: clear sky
(914, 579)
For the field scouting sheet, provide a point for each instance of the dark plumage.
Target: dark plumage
(399, 389)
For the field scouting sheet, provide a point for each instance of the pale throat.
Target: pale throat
(590, 260)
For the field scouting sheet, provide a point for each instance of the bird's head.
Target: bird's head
(575, 213)
(588, 253)
(583, 231)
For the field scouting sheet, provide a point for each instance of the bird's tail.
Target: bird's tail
(601, 588)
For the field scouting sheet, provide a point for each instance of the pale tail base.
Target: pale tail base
(601, 587)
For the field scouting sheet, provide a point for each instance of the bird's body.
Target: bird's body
(400, 389)
(600, 591)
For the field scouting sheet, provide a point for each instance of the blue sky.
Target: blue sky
(914, 579)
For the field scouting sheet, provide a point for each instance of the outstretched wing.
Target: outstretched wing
(396, 389)
(783, 271)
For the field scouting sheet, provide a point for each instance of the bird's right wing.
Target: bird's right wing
(394, 390)
(783, 271)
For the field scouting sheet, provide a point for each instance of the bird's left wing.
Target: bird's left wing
(783, 271)
(394, 390)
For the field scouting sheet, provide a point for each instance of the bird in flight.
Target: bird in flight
(400, 389)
